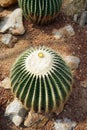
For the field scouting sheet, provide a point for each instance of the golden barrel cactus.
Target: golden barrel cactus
(40, 11)
(41, 80)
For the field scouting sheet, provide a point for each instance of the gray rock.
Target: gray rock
(72, 61)
(16, 112)
(83, 18)
(69, 29)
(64, 124)
(75, 18)
(57, 34)
(6, 83)
(8, 39)
(13, 23)
(62, 32)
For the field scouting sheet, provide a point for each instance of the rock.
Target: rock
(16, 119)
(6, 83)
(68, 30)
(57, 34)
(62, 32)
(35, 120)
(84, 83)
(83, 18)
(72, 61)
(75, 18)
(6, 3)
(13, 23)
(8, 39)
(64, 124)
(16, 112)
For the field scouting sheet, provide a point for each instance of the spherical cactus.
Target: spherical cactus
(40, 11)
(41, 80)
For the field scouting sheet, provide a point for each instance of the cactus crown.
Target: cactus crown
(40, 11)
(41, 80)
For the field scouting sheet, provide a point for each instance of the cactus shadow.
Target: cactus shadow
(5, 123)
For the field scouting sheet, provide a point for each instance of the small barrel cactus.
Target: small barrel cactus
(40, 11)
(41, 80)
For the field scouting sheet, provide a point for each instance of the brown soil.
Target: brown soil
(76, 107)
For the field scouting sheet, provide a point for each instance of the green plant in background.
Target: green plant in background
(41, 80)
(40, 11)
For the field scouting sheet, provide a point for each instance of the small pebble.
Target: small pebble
(13, 22)
(64, 124)
(72, 61)
(84, 83)
(6, 83)
(8, 40)
(16, 112)
(62, 32)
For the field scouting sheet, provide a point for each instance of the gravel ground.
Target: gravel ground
(76, 107)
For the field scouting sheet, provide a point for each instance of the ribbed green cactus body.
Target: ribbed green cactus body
(40, 11)
(41, 80)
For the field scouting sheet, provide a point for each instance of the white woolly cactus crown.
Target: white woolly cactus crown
(41, 80)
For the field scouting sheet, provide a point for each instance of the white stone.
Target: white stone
(13, 23)
(62, 32)
(69, 29)
(8, 40)
(57, 34)
(6, 83)
(16, 119)
(64, 124)
(16, 112)
(72, 61)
